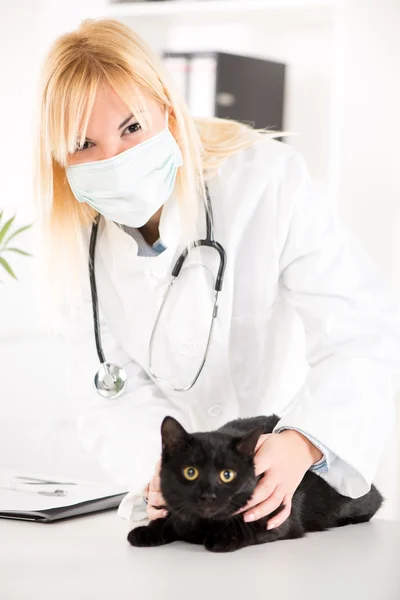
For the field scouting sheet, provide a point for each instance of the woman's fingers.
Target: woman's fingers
(153, 513)
(265, 508)
(154, 500)
(155, 483)
(262, 492)
(154, 497)
(261, 440)
(283, 515)
(262, 461)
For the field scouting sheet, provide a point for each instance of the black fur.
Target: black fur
(201, 511)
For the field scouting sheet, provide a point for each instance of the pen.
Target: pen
(33, 488)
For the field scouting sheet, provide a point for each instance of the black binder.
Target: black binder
(231, 86)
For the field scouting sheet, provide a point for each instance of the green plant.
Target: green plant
(4, 243)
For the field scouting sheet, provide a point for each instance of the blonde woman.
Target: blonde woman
(304, 326)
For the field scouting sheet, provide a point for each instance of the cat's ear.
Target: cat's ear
(173, 435)
(247, 444)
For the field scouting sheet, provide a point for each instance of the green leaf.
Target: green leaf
(16, 250)
(7, 268)
(6, 228)
(1, 215)
(20, 230)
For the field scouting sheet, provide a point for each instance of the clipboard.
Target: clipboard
(83, 497)
(57, 514)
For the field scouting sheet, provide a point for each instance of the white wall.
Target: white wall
(343, 99)
(367, 126)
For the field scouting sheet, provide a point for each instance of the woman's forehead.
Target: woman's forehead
(110, 110)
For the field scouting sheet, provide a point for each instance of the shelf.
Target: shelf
(215, 7)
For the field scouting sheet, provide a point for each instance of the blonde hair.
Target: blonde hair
(108, 51)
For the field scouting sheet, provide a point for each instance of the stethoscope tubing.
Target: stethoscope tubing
(113, 376)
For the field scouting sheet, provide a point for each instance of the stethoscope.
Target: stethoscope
(110, 380)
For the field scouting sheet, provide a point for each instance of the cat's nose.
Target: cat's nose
(208, 497)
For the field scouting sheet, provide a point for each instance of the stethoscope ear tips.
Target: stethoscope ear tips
(110, 380)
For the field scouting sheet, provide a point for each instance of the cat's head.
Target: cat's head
(206, 475)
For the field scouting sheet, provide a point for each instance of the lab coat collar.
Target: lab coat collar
(170, 229)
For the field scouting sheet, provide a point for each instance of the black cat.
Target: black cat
(206, 477)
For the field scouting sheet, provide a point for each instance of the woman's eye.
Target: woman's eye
(132, 128)
(227, 475)
(85, 146)
(191, 473)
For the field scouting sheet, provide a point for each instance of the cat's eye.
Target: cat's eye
(191, 473)
(227, 475)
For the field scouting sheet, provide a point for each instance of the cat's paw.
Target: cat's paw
(139, 536)
(154, 534)
(223, 544)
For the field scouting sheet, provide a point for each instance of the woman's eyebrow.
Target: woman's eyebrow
(119, 127)
(125, 121)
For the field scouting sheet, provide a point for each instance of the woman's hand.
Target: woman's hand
(284, 458)
(154, 496)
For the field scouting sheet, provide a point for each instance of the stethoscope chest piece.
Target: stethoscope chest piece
(110, 380)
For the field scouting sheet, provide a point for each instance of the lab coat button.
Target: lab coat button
(186, 347)
(215, 410)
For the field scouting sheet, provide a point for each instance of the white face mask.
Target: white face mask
(129, 188)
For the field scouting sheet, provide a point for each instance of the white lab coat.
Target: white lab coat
(305, 328)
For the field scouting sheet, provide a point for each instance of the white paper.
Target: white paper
(27, 501)
(202, 86)
(178, 67)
